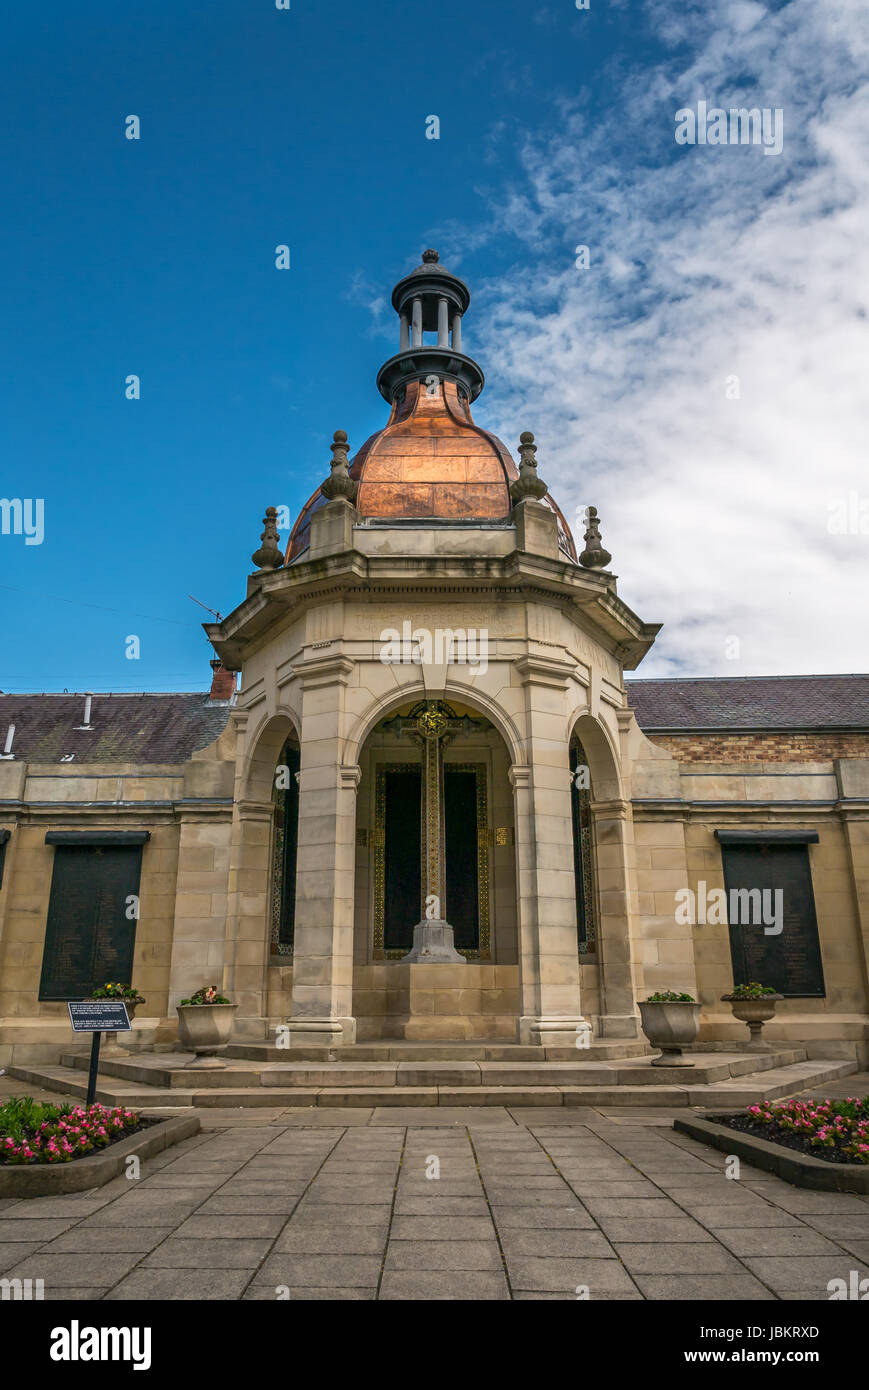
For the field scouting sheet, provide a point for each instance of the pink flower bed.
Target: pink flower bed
(837, 1130)
(71, 1134)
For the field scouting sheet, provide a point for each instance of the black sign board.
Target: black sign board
(789, 959)
(99, 1016)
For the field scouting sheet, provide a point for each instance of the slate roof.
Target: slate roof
(126, 728)
(751, 702)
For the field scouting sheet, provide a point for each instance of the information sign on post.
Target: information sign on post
(97, 1016)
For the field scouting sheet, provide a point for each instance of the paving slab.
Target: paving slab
(721, 1288)
(37, 1228)
(564, 1218)
(811, 1273)
(330, 1240)
(600, 1277)
(548, 1244)
(320, 1271)
(92, 1237)
(689, 1258)
(12, 1252)
(69, 1269)
(261, 1293)
(432, 1285)
(783, 1240)
(186, 1285)
(618, 1228)
(444, 1254)
(442, 1228)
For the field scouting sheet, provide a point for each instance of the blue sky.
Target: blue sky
(307, 127)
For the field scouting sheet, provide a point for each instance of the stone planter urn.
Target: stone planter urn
(110, 1047)
(754, 1012)
(205, 1029)
(670, 1025)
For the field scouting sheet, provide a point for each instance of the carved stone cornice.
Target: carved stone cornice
(544, 670)
(316, 671)
(616, 808)
(304, 584)
(255, 809)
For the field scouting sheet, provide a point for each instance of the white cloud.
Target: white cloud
(719, 262)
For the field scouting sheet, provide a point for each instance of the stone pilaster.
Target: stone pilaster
(549, 998)
(323, 952)
(619, 948)
(853, 778)
(201, 906)
(248, 920)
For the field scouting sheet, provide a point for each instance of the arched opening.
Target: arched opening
(285, 843)
(435, 839)
(585, 878)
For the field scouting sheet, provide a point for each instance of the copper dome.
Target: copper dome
(430, 462)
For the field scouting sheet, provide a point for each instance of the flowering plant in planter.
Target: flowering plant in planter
(207, 995)
(129, 996)
(205, 1025)
(34, 1133)
(751, 991)
(670, 1021)
(753, 1004)
(117, 991)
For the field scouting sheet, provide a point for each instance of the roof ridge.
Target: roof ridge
(803, 676)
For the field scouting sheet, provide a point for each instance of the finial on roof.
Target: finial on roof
(428, 257)
(528, 484)
(339, 483)
(594, 557)
(269, 555)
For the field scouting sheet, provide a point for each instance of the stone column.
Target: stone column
(457, 332)
(403, 334)
(549, 1002)
(443, 323)
(323, 950)
(433, 937)
(416, 339)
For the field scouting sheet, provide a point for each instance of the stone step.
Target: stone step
(158, 1070)
(396, 1050)
(72, 1081)
(770, 1084)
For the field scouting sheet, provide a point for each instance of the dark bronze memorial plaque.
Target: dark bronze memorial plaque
(89, 939)
(789, 960)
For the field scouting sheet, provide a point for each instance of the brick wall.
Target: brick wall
(785, 747)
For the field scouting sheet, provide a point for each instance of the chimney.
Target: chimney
(223, 682)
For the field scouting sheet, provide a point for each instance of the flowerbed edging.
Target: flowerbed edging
(94, 1170)
(799, 1169)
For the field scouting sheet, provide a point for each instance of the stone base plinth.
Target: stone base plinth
(319, 1032)
(433, 945)
(436, 1001)
(554, 1032)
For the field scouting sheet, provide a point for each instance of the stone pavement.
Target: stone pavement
(528, 1204)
